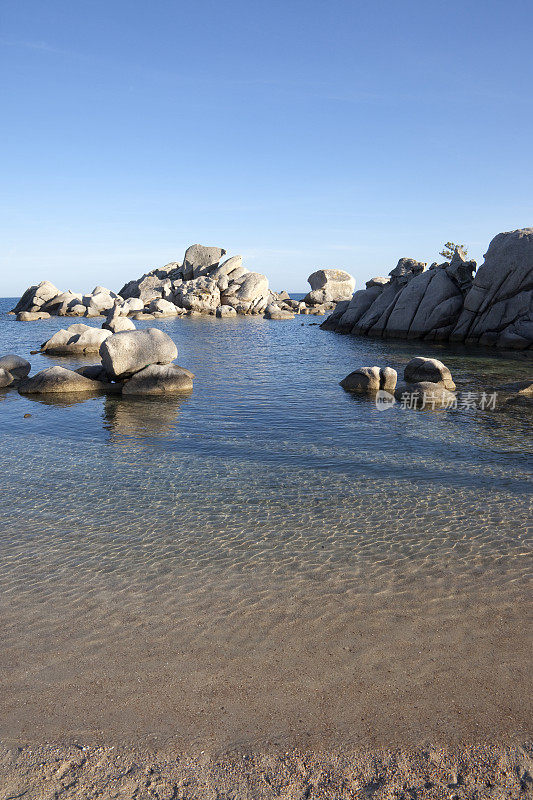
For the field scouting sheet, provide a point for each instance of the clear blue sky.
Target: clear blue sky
(300, 133)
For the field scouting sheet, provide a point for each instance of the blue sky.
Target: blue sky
(300, 134)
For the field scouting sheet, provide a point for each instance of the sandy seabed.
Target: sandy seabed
(48, 771)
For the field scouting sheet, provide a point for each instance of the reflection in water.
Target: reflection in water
(62, 399)
(141, 417)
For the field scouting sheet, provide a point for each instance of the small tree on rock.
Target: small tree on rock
(449, 249)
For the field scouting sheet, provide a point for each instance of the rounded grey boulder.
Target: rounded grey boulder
(125, 353)
(422, 369)
(55, 380)
(159, 379)
(365, 380)
(17, 366)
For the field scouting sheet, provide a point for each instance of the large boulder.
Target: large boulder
(199, 260)
(329, 285)
(17, 366)
(124, 354)
(56, 380)
(498, 309)
(420, 370)
(159, 379)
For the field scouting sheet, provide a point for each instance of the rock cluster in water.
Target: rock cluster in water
(446, 302)
(423, 378)
(132, 363)
(202, 284)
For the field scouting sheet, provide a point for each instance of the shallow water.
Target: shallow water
(270, 561)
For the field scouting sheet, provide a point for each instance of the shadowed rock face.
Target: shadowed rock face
(446, 303)
(498, 309)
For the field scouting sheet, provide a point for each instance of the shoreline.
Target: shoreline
(431, 771)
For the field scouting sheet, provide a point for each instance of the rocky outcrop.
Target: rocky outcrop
(447, 303)
(329, 286)
(200, 285)
(498, 308)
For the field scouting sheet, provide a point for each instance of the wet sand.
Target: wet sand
(82, 773)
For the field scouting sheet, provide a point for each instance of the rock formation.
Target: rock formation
(427, 383)
(446, 303)
(202, 284)
(329, 286)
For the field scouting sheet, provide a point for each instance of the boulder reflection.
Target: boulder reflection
(141, 417)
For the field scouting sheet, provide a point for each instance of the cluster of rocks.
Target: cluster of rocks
(131, 363)
(202, 284)
(446, 302)
(423, 378)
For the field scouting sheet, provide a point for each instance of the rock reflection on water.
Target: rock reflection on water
(141, 417)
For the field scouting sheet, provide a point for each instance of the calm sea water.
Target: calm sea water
(267, 558)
